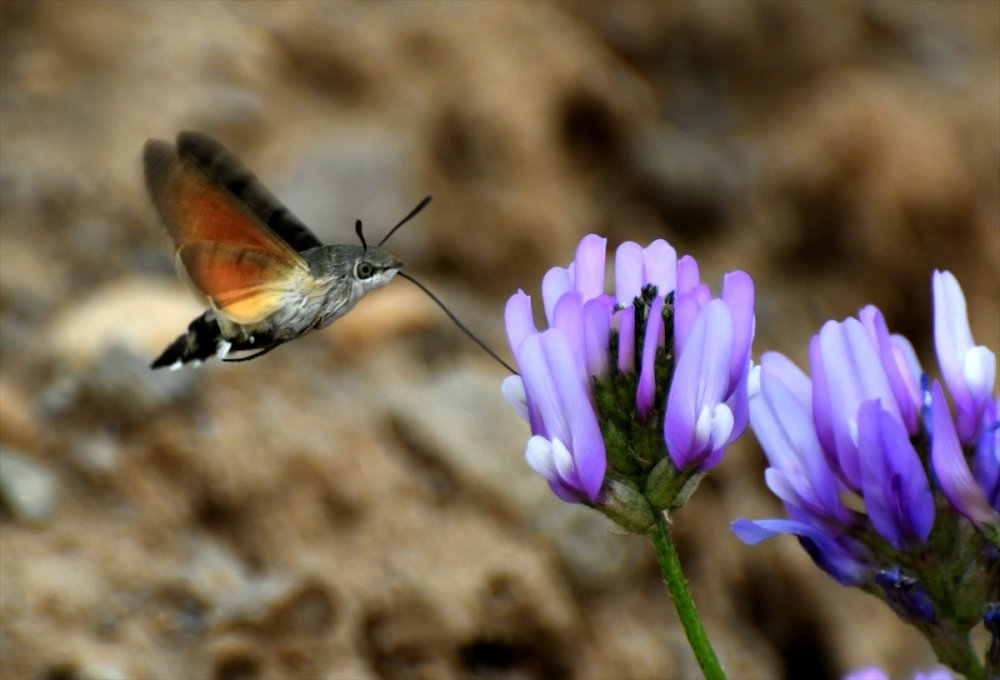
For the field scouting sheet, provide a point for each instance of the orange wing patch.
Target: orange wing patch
(228, 254)
(245, 285)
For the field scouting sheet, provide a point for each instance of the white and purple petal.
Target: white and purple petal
(585, 440)
(896, 491)
(591, 257)
(821, 409)
(686, 308)
(565, 465)
(870, 673)
(626, 340)
(538, 453)
(853, 373)
(540, 387)
(512, 389)
(934, 674)
(597, 315)
(519, 319)
(738, 293)
(827, 553)
(568, 318)
(629, 275)
(904, 383)
(952, 335)
(646, 389)
(782, 421)
(716, 427)
(950, 467)
(660, 263)
(688, 275)
(968, 371)
(986, 460)
(739, 403)
(693, 420)
(556, 283)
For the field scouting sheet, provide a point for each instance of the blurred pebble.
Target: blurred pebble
(283, 606)
(306, 610)
(396, 311)
(345, 178)
(228, 111)
(346, 666)
(101, 671)
(688, 162)
(88, 670)
(182, 613)
(98, 454)
(121, 385)
(461, 417)
(689, 179)
(17, 418)
(213, 568)
(91, 239)
(27, 489)
(142, 314)
(320, 48)
(235, 658)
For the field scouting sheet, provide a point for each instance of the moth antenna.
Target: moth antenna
(361, 235)
(413, 213)
(455, 320)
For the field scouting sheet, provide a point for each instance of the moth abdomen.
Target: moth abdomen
(205, 339)
(199, 343)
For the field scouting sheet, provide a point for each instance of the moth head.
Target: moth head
(372, 267)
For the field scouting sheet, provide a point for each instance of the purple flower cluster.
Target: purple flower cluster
(661, 319)
(868, 425)
(875, 673)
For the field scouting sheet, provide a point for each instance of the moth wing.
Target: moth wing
(245, 286)
(227, 252)
(223, 168)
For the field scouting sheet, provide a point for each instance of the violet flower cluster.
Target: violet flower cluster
(875, 673)
(631, 395)
(888, 486)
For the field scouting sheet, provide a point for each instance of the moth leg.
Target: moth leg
(254, 355)
(222, 348)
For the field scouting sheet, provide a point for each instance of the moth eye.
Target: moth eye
(365, 270)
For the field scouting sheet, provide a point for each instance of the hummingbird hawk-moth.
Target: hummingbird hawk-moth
(264, 275)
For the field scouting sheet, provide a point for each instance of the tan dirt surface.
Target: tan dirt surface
(356, 504)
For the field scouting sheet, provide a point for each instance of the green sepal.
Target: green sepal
(623, 503)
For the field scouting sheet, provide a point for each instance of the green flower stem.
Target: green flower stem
(677, 587)
(954, 649)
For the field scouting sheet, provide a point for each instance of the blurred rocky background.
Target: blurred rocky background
(356, 504)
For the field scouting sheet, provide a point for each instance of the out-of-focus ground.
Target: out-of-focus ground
(356, 504)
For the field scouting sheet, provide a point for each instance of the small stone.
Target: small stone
(281, 606)
(692, 180)
(213, 569)
(235, 658)
(399, 310)
(144, 315)
(122, 386)
(98, 455)
(96, 670)
(228, 111)
(306, 610)
(87, 669)
(460, 418)
(27, 489)
(105, 671)
(17, 419)
(349, 178)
